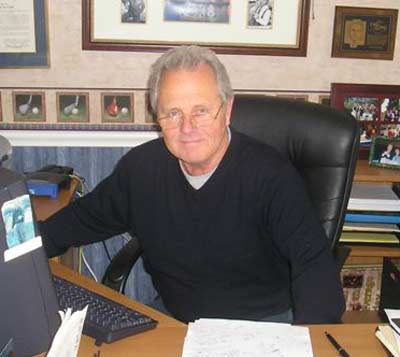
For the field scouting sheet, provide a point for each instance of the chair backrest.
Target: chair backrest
(322, 143)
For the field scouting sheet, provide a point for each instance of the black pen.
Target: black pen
(338, 348)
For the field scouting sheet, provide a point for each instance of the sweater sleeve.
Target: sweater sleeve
(96, 216)
(317, 293)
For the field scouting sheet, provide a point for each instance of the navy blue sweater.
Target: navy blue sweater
(245, 245)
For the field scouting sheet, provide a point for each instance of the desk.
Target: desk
(44, 207)
(167, 339)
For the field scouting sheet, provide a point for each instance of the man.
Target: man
(224, 222)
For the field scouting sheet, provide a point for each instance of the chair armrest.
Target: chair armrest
(117, 272)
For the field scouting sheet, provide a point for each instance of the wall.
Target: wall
(73, 68)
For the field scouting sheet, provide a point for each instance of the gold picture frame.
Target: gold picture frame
(367, 33)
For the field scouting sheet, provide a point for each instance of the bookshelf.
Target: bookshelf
(363, 253)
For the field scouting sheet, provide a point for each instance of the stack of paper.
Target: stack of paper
(221, 338)
(373, 214)
(389, 335)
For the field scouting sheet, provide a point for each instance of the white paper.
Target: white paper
(234, 338)
(17, 26)
(68, 336)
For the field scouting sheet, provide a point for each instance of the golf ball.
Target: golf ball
(124, 110)
(75, 111)
(35, 110)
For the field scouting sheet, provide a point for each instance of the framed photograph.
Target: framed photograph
(73, 107)
(257, 27)
(385, 152)
(325, 100)
(23, 37)
(29, 107)
(361, 32)
(117, 108)
(375, 106)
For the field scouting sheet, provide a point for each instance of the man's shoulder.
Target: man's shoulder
(146, 153)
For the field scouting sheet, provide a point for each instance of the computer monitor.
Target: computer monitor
(28, 303)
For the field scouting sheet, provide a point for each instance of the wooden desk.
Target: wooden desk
(44, 207)
(167, 339)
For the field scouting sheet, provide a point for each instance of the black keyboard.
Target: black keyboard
(106, 320)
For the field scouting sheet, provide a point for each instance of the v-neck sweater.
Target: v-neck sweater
(245, 245)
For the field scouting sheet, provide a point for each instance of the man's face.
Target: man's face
(199, 148)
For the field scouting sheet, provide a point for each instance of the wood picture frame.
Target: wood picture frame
(157, 33)
(72, 107)
(29, 107)
(24, 44)
(367, 33)
(385, 152)
(370, 105)
(117, 107)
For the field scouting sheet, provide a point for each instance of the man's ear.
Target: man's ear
(228, 111)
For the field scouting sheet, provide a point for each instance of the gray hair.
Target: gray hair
(188, 57)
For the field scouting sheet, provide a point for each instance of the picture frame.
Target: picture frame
(29, 106)
(324, 100)
(370, 105)
(385, 152)
(117, 107)
(72, 107)
(160, 30)
(20, 48)
(366, 33)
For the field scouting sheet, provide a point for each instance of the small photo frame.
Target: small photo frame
(361, 32)
(117, 108)
(375, 106)
(73, 107)
(385, 152)
(29, 107)
(324, 100)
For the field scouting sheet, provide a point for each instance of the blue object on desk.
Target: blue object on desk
(42, 188)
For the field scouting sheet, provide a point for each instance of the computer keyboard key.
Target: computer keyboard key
(106, 320)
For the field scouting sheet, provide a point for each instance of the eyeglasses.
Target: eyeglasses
(200, 116)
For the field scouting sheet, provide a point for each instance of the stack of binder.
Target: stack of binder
(373, 214)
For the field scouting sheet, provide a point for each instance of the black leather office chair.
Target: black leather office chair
(322, 144)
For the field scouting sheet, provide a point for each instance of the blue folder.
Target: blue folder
(373, 218)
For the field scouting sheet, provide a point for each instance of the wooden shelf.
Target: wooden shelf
(366, 173)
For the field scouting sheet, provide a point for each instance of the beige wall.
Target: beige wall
(72, 67)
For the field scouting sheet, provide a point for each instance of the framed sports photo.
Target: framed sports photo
(72, 107)
(385, 152)
(361, 32)
(117, 108)
(29, 107)
(375, 106)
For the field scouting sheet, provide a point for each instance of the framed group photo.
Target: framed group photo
(376, 107)
(361, 32)
(385, 152)
(259, 27)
